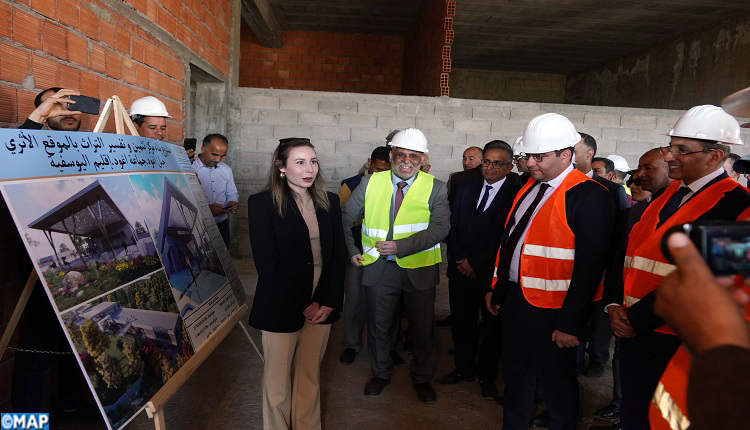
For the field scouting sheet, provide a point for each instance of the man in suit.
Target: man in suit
(653, 174)
(354, 305)
(406, 216)
(472, 157)
(477, 214)
(701, 190)
(551, 259)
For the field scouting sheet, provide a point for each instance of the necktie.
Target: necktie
(399, 198)
(506, 250)
(485, 197)
(672, 204)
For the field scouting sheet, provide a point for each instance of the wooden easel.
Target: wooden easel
(121, 117)
(16, 316)
(155, 406)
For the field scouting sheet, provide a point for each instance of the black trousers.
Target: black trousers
(527, 348)
(643, 359)
(466, 298)
(597, 343)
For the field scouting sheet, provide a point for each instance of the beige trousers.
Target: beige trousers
(291, 377)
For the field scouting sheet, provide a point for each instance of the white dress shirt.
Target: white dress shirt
(700, 183)
(493, 192)
(217, 184)
(523, 205)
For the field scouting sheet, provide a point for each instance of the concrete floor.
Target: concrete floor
(225, 391)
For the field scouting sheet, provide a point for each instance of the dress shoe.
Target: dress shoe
(396, 358)
(615, 426)
(348, 355)
(454, 377)
(375, 387)
(595, 370)
(425, 392)
(541, 420)
(488, 389)
(609, 412)
(447, 321)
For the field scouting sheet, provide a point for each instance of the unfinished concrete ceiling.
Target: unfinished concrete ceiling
(552, 36)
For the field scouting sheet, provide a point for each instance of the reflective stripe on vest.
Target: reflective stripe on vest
(645, 267)
(668, 408)
(630, 300)
(413, 217)
(650, 266)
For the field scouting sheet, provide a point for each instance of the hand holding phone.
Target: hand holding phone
(84, 104)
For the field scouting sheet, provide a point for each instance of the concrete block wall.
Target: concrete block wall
(511, 86)
(321, 61)
(346, 127)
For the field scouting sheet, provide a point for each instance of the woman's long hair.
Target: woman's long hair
(280, 191)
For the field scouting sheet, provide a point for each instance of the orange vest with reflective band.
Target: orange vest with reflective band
(645, 265)
(668, 409)
(548, 253)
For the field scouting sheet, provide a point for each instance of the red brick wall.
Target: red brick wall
(88, 46)
(318, 61)
(423, 61)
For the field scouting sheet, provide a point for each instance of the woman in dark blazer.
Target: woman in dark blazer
(299, 251)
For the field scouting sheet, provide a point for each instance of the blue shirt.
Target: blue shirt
(217, 184)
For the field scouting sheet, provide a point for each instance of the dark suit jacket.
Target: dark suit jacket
(283, 258)
(590, 213)
(616, 190)
(476, 236)
(422, 278)
(457, 179)
(641, 315)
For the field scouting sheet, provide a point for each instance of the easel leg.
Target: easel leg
(20, 306)
(159, 422)
(252, 342)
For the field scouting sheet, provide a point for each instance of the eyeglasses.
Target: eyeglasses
(402, 155)
(495, 164)
(537, 157)
(677, 151)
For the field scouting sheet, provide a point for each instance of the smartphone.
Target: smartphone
(84, 104)
(189, 143)
(725, 245)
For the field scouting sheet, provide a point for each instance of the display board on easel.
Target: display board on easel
(126, 248)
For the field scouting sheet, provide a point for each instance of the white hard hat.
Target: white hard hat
(620, 163)
(548, 132)
(149, 106)
(410, 138)
(708, 122)
(517, 145)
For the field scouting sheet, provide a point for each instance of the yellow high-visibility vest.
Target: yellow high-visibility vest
(412, 217)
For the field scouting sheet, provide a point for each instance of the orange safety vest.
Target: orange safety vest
(547, 259)
(645, 265)
(668, 409)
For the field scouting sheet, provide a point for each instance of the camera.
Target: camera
(725, 245)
